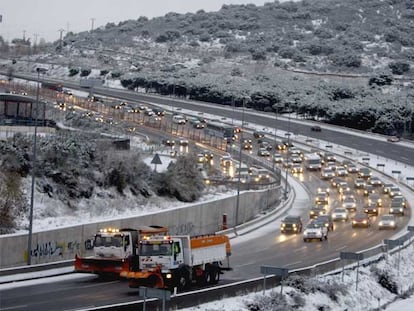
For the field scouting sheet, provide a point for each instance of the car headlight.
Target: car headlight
(283, 225)
(381, 223)
(392, 223)
(354, 222)
(364, 222)
(401, 210)
(294, 225)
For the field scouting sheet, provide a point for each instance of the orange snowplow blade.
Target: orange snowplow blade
(98, 266)
(144, 278)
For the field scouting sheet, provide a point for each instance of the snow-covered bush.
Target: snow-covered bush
(182, 180)
(274, 301)
(385, 280)
(73, 72)
(13, 201)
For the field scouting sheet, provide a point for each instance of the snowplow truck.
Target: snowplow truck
(112, 247)
(169, 262)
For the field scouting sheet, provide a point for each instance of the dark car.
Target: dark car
(247, 144)
(316, 211)
(361, 220)
(316, 128)
(375, 198)
(326, 221)
(158, 111)
(368, 189)
(291, 224)
(168, 142)
(364, 172)
(266, 145)
(258, 134)
(371, 209)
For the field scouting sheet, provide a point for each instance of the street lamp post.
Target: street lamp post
(287, 158)
(236, 216)
(274, 147)
(29, 243)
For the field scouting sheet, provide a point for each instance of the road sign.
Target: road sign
(365, 159)
(393, 243)
(380, 164)
(156, 159)
(410, 228)
(283, 272)
(409, 178)
(351, 256)
(155, 293)
(396, 172)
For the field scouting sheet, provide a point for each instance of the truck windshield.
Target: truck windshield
(163, 249)
(108, 241)
(313, 161)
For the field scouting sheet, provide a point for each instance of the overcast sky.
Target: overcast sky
(45, 18)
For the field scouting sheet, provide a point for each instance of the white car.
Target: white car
(179, 119)
(396, 209)
(394, 191)
(315, 230)
(340, 214)
(278, 158)
(387, 221)
(349, 204)
(341, 171)
(327, 173)
(359, 183)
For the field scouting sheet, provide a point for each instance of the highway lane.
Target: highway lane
(383, 148)
(269, 249)
(289, 250)
(394, 151)
(266, 247)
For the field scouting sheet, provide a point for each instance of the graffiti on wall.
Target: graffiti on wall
(47, 249)
(53, 249)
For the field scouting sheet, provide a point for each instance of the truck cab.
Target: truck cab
(110, 243)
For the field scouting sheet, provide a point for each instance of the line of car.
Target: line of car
(378, 199)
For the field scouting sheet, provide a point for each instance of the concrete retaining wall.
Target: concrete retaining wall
(202, 218)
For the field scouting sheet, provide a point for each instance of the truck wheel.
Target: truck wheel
(207, 276)
(183, 281)
(215, 275)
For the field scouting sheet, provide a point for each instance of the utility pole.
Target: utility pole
(92, 22)
(24, 35)
(29, 242)
(60, 38)
(35, 35)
